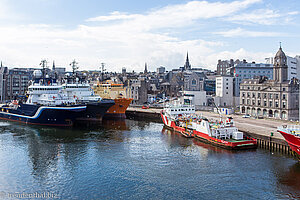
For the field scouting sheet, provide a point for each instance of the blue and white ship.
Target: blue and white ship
(46, 104)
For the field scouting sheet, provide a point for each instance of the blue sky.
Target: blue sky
(129, 33)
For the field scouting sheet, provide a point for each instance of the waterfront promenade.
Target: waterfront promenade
(259, 127)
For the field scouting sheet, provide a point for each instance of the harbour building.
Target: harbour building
(277, 98)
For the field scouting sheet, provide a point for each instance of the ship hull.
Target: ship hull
(44, 115)
(118, 110)
(249, 143)
(95, 110)
(292, 140)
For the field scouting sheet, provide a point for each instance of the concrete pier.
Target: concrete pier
(264, 130)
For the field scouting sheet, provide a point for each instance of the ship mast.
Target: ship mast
(74, 69)
(44, 67)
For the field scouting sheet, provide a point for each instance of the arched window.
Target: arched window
(193, 82)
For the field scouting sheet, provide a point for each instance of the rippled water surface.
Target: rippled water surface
(136, 160)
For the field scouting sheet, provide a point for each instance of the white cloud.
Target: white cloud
(130, 41)
(262, 17)
(239, 32)
(239, 54)
(180, 15)
(116, 15)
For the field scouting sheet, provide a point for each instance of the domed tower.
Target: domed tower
(280, 69)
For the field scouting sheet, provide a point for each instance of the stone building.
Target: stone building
(223, 66)
(138, 91)
(277, 98)
(194, 81)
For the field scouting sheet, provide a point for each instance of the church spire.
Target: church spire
(187, 62)
(53, 66)
(146, 70)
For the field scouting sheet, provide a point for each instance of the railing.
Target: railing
(292, 129)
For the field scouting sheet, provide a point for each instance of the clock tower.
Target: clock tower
(280, 69)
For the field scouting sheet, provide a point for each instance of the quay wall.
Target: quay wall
(267, 139)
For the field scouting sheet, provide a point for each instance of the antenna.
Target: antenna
(44, 67)
(74, 66)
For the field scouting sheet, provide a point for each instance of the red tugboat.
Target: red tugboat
(219, 133)
(291, 134)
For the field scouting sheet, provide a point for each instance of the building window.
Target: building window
(276, 104)
(258, 95)
(193, 82)
(270, 103)
(248, 102)
(265, 95)
(276, 96)
(248, 94)
(283, 96)
(253, 102)
(253, 95)
(265, 103)
(283, 104)
(258, 102)
(283, 89)
(243, 94)
(243, 101)
(270, 96)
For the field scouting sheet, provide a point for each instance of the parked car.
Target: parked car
(246, 116)
(145, 107)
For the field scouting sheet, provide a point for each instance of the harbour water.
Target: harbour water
(135, 160)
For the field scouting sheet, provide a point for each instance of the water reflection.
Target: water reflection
(51, 149)
(136, 160)
(290, 179)
(175, 139)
